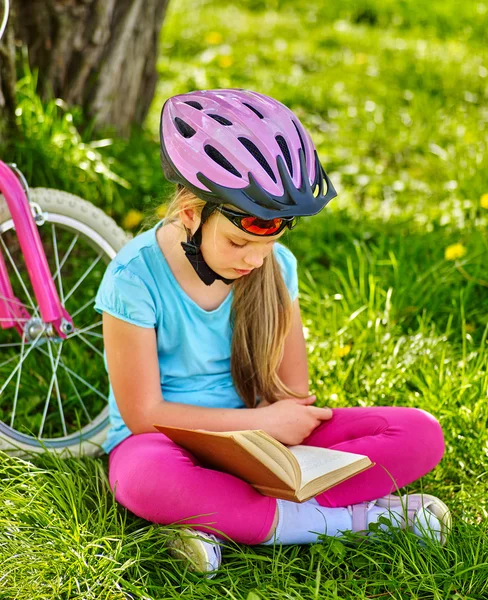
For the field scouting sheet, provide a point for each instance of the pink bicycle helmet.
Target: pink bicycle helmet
(243, 148)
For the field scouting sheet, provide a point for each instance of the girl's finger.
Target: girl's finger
(322, 413)
(309, 400)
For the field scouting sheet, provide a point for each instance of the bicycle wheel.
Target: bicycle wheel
(53, 392)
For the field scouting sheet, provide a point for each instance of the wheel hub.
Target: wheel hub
(38, 332)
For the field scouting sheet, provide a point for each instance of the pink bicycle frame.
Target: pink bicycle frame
(12, 312)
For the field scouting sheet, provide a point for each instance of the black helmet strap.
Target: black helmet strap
(193, 251)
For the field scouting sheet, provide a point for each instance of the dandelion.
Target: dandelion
(454, 251)
(484, 201)
(132, 219)
(213, 38)
(161, 211)
(226, 61)
(342, 351)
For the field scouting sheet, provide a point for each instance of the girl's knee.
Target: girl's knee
(428, 429)
(427, 421)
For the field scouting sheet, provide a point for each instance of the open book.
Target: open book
(294, 473)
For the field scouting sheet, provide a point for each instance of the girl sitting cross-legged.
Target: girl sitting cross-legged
(202, 330)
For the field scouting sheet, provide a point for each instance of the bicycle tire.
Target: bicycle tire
(97, 230)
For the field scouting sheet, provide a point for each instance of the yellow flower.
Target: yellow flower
(226, 61)
(213, 38)
(161, 211)
(454, 252)
(470, 328)
(132, 219)
(484, 201)
(342, 351)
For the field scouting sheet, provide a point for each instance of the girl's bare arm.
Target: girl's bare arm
(134, 374)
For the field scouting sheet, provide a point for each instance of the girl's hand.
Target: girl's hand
(292, 421)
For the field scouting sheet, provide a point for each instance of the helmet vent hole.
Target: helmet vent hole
(286, 152)
(194, 103)
(221, 120)
(301, 139)
(220, 159)
(185, 129)
(254, 110)
(256, 152)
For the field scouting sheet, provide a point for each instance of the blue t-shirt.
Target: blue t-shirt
(194, 345)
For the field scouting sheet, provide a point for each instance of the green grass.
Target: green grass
(395, 96)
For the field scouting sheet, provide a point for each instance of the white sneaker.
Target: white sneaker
(425, 515)
(201, 550)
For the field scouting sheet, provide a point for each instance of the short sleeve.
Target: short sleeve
(126, 296)
(288, 264)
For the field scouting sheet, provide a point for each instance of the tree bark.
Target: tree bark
(98, 54)
(7, 80)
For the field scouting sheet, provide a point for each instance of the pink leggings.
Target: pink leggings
(159, 481)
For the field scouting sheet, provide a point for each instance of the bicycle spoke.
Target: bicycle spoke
(18, 384)
(18, 275)
(56, 385)
(7, 361)
(65, 257)
(58, 269)
(84, 276)
(89, 386)
(97, 335)
(68, 370)
(8, 302)
(73, 315)
(88, 343)
(12, 301)
(76, 333)
(17, 320)
(11, 345)
(87, 414)
(51, 385)
(20, 364)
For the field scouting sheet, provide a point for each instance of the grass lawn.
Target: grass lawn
(393, 288)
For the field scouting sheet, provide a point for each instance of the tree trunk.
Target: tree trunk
(7, 81)
(99, 54)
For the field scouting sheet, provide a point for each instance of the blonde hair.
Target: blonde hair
(260, 317)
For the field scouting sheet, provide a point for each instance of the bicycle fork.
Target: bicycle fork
(55, 319)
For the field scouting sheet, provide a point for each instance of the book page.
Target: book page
(315, 462)
(269, 456)
(279, 453)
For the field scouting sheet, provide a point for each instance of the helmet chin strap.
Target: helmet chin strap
(193, 251)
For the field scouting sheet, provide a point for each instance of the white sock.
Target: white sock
(303, 523)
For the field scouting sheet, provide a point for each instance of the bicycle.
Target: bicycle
(53, 382)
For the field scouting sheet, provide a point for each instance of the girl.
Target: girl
(202, 330)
